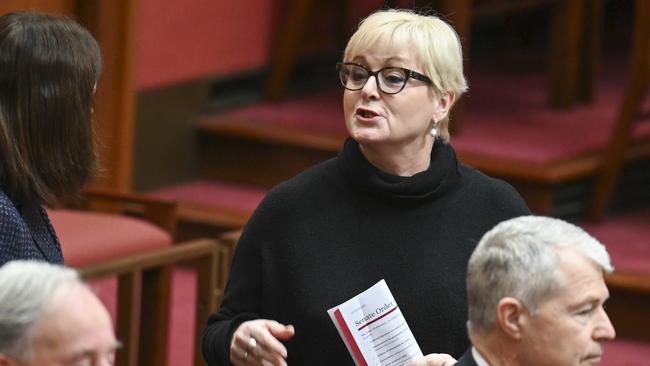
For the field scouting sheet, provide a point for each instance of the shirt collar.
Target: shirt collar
(480, 361)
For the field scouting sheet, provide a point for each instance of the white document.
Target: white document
(374, 329)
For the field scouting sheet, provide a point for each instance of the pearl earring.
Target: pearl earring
(434, 131)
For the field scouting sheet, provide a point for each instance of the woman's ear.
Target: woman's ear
(443, 104)
(509, 316)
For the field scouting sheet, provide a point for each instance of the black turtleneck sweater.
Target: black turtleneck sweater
(336, 229)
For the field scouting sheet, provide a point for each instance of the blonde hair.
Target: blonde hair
(436, 43)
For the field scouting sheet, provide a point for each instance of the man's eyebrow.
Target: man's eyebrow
(90, 353)
(590, 299)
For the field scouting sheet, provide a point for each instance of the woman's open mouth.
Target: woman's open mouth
(366, 113)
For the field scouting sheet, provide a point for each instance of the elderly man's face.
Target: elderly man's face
(568, 329)
(75, 330)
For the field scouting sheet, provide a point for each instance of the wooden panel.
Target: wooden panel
(50, 6)
(208, 295)
(128, 317)
(154, 318)
(628, 114)
(115, 25)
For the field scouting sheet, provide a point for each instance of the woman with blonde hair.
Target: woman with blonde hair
(396, 204)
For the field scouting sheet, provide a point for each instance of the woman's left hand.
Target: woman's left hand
(434, 359)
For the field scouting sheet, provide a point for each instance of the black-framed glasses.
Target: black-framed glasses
(390, 80)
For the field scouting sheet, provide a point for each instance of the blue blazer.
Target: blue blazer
(27, 233)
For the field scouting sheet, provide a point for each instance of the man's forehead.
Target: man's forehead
(579, 278)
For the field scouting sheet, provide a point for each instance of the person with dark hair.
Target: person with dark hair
(395, 204)
(49, 66)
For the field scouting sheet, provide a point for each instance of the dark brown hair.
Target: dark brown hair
(49, 66)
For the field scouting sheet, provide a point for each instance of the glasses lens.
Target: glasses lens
(353, 77)
(392, 80)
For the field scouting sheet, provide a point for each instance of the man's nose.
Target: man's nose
(604, 329)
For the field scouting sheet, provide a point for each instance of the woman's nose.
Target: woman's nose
(371, 89)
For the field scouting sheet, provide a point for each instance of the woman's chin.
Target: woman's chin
(366, 136)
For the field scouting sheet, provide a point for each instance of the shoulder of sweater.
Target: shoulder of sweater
(10, 220)
(490, 187)
(7, 207)
(307, 178)
(293, 190)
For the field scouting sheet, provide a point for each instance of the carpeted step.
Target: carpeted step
(627, 238)
(508, 131)
(215, 203)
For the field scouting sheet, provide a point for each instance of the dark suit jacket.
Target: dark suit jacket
(26, 233)
(467, 359)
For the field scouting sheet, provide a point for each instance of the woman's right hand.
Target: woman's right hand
(257, 342)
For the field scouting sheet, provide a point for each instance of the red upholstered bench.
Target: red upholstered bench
(93, 237)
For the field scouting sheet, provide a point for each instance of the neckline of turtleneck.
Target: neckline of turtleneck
(437, 179)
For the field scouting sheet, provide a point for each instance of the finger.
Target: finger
(271, 344)
(268, 363)
(418, 362)
(238, 358)
(266, 357)
(439, 359)
(280, 331)
(269, 348)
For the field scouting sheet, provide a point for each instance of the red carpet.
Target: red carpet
(627, 238)
(505, 116)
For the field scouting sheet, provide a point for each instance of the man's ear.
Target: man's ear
(509, 316)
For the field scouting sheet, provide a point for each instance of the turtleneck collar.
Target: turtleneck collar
(439, 178)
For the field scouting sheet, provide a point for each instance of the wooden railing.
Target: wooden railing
(144, 288)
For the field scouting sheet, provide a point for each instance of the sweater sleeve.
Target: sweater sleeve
(243, 294)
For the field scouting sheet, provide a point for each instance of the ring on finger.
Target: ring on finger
(251, 345)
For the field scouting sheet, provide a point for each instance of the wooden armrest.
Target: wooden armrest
(144, 296)
(630, 281)
(162, 213)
